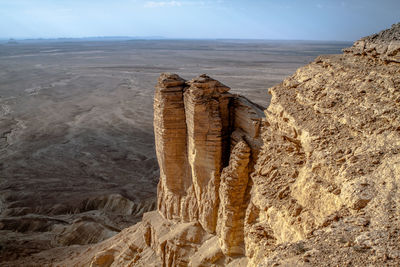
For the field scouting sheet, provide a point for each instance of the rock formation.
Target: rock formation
(232, 193)
(207, 118)
(174, 200)
(384, 45)
(314, 183)
(193, 122)
(327, 175)
(204, 188)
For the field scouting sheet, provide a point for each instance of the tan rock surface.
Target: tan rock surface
(232, 194)
(207, 119)
(330, 156)
(384, 45)
(196, 123)
(174, 201)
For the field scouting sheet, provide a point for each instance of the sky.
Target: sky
(240, 19)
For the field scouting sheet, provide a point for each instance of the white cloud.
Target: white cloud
(156, 4)
(153, 4)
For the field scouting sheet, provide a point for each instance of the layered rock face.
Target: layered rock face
(207, 118)
(176, 199)
(207, 143)
(314, 183)
(232, 193)
(193, 124)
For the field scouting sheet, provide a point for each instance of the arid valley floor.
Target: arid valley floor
(77, 159)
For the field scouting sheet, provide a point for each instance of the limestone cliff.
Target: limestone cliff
(313, 183)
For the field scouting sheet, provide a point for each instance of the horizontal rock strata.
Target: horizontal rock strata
(176, 199)
(207, 119)
(196, 123)
(232, 190)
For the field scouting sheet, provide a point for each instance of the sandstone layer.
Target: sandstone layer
(313, 183)
(193, 125)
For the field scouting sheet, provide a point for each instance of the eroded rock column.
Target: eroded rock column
(207, 119)
(232, 207)
(175, 200)
(196, 125)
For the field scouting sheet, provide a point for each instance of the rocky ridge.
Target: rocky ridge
(313, 183)
(384, 45)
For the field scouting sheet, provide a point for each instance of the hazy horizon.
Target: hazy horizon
(162, 38)
(319, 20)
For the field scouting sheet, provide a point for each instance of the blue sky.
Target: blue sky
(258, 19)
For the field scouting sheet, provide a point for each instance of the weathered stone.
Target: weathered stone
(234, 180)
(174, 198)
(330, 133)
(384, 45)
(207, 119)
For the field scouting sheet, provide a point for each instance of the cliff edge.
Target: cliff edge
(314, 182)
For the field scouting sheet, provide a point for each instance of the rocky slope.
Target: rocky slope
(313, 183)
(202, 194)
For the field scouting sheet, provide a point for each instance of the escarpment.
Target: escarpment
(328, 172)
(196, 124)
(313, 183)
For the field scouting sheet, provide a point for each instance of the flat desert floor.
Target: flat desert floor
(77, 159)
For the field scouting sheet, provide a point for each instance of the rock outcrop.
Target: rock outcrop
(232, 193)
(207, 143)
(193, 125)
(330, 160)
(176, 198)
(314, 183)
(207, 119)
(384, 45)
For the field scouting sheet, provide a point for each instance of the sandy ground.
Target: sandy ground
(76, 137)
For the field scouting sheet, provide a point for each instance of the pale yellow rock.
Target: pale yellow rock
(196, 133)
(384, 45)
(207, 119)
(246, 119)
(234, 181)
(330, 132)
(209, 254)
(174, 198)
